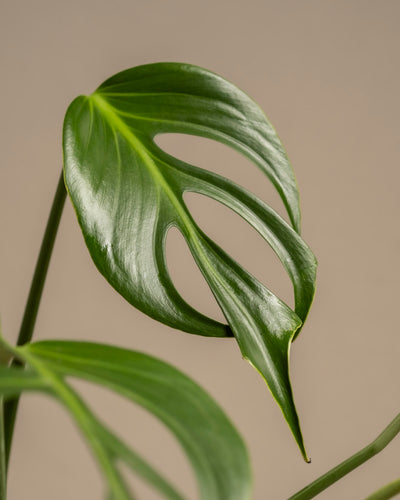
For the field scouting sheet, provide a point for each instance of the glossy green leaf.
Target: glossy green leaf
(127, 193)
(216, 451)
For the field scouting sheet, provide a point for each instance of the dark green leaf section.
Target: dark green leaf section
(127, 193)
(182, 98)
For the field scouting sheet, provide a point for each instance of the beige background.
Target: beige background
(327, 74)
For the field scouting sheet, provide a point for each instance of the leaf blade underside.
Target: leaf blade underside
(213, 446)
(127, 193)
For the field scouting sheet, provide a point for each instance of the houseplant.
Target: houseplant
(127, 193)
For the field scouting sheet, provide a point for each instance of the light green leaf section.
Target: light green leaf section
(213, 446)
(15, 380)
(87, 423)
(127, 193)
(216, 451)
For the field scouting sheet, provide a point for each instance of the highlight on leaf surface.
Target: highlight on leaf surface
(214, 448)
(127, 193)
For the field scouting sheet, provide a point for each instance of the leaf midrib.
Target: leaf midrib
(78, 409)
(67, 396)
(224, 137)
(117, 124)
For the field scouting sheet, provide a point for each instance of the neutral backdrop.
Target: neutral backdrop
(327, 75)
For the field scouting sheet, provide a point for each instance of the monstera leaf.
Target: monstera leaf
(213, 446)
(127, 193)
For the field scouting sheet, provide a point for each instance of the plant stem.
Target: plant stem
(3, 466)
(326, 480)
(388, 491)
(33, 302)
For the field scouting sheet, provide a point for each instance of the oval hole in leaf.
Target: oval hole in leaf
(223, 160)
(49, 445)
(187, 277)
(232, 233)
(142, 431)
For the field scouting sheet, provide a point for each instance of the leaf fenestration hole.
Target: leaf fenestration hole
(223, 160)
(242, 242)
(46, 426)
(133, 425)
(187, 277)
